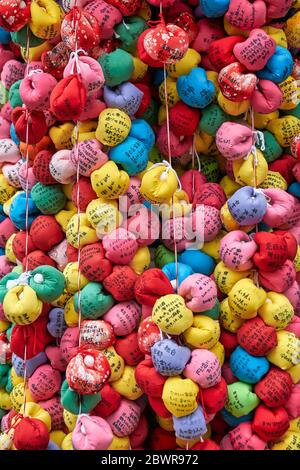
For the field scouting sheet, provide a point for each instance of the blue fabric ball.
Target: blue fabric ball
(195, 89)
(183, 272)
(17, 211)
(278, 67)
(247, 368)
(5, 37)
(199, 262)
(142, 131)
(191, 426)
(214, 9)
(131, 154)
(169, 358)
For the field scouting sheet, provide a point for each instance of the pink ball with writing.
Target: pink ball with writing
(91, 433)
(204, 368)
(124, 317)
(125, 419)
(199, 292)
(236, 250)
(90, 156)
(206, 222)
(234, 140)
(44, 382)
(120, 246)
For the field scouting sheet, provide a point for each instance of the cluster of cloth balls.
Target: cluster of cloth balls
(113, 336)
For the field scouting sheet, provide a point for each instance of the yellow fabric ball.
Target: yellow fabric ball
(116, 363)
(141, 260)
(35, 53)
(212, 248)
(180, 396)
(103, 215)
(284, 129)
(287, 352)
(109, 182)
(86, 131)
(261, 121)
(203, 334)
(46, 18)
(245, 299)
(64, 216)
(120, 443)
(184, 66)
(289, 441)
(225, 278)
(5, 401)
(61, 135)
(297, 260)
(233, 108)
(274, 180)
(126, 385)
(219, 351)
(70, 314)
(71, 275)
(277, 311)
(6, 190)
(67, 442)
(172, 93)
(292, 30)
(139, 70)
(57, 437)
(294, 373)
(203, 142)
(69, 420)
(165, 423)
(233, 30)
(229, 186)
(291, 93)
(87, 233)
(62, 299)
(228, 319)
(9, 252)
(171, 315)
(17, 396)
(21, 305)
(243, 170)
(158, 184)
(113, 126)
(277, 34)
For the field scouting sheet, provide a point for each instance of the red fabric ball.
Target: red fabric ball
(7, 228)
(92, 262)
(214, 398)
(148, 379)
(128, 348)
(37, 258)
(184, 119)
(85, 35)
(46, 232)
(284, 166)
(219, 426)
(12, 16)
(139, 435)
(19, 245)
(162, 440)
(257, 338)
(275, 388)
(41, 169)
(35, 121)
(272, 251)
(186, 21)
(126, 7)
(86, 193)
(56, 60)
(31, 434)
(229, 341)
(72, 254)
(120, 283)
(35, 335)
(143, 54)
(191, 182)
(68, 98)
(151, 285)
(110, 402)
(220, 51)
(270, 423)
(145, 100)
(210, 194)
(158, 407)
(148, 335)
(207, 444)
(291, 243)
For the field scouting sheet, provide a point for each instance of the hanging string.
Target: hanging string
(170, 163)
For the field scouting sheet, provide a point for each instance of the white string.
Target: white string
(168, 168)
(75, 58)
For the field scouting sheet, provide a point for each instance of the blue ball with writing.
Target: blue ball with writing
(191, 426)
(247, 205)
(199, 262)
(248, 368)
(131, 154)
(279, 66)
(195, 89)
(169, 358)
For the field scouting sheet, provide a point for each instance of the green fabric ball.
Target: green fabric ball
(48, 282)
(241, 400)
(48, 199)
(3, 288)
(212, 118)
(4, 371)
(3, 94)
(94, 303)
(272, 149)
(210, 168)
(71, 400)
(292, 112)
(151, 113)
(20, 38)
(117, 67)
(9, 384)
(163, 256)
(14, 95)
(214, 312)
(129, 31)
